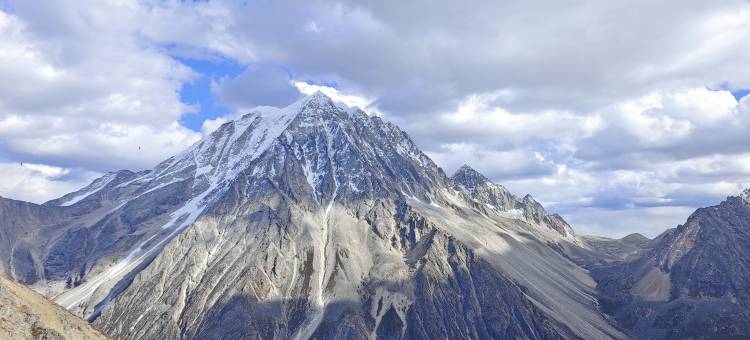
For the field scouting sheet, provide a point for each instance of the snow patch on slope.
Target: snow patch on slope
(97, 185)
(215, 161)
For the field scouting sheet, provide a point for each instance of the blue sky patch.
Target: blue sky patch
(198, 92)
(739, 94)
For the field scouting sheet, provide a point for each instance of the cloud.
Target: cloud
(339, 96)
(478, 120)
(258, 85)
(38, 183)
(619, 223)
(601, 110)
(210, 125)
(553, 55)
(82, 90)
(681, 124)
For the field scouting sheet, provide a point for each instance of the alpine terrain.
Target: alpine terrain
(317, 220)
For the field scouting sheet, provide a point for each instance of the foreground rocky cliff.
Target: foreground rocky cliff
(24, 314)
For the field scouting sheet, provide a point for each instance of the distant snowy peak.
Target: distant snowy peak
(332, 146)
(360, 155)
(329, 142)
(484, 191)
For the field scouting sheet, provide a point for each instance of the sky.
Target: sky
(621, 116)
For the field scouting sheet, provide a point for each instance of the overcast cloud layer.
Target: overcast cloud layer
(622, 116)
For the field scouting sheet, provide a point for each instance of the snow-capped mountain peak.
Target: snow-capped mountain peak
(318, 98)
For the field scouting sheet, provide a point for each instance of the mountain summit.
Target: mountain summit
(312, 220)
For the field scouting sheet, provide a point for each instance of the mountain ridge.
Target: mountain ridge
(496, 196)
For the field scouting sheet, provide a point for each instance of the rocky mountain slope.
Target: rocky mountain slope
(328, 223)
(690, 282)
(24, 314)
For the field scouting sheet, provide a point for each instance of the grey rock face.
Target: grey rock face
(692, 281)
(482, 189)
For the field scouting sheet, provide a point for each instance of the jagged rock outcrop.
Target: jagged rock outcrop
(24, 314)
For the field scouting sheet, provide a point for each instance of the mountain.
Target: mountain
(313, 220)
(597, 251)
(24, 314)
(692, 281)
(292, 222)
(334, 224)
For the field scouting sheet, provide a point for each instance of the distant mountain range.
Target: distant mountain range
(319, 221)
